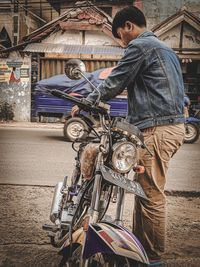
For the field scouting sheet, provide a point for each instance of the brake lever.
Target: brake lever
(104, 106)
(97, 105)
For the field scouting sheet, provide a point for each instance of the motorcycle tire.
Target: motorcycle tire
(76, 129)
(98, 260)
(191, 133)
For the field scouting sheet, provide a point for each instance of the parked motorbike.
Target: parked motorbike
(192, 125)
(82, 231)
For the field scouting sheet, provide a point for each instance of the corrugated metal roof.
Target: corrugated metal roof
(74, 49)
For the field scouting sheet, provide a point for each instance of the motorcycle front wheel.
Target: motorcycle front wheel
(191, 133)
(98, 260)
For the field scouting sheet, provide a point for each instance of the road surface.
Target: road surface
(38, 156)
(42, 157)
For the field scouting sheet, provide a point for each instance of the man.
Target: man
(152, 75)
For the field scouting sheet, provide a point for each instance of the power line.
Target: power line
(46, 6)
(43, 2)
(29, 8)
(91, 1)
(33, 14)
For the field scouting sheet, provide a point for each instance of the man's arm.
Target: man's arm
(121, 75)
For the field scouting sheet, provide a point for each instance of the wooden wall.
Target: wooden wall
(52, 66)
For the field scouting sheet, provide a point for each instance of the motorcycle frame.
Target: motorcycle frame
(94, 205)
(92, 217)
(93, 211)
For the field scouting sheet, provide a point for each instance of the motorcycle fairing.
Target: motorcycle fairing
(77, 237)
(91, 236)
(108, 238)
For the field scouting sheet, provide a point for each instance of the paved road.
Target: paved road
(36, 156)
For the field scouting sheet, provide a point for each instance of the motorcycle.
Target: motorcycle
(82, 231)
(192, 126)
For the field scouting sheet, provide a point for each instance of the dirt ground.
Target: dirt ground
(23, 243)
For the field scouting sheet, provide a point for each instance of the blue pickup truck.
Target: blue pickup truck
(77, 127)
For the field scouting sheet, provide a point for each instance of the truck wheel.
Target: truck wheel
(76, 129)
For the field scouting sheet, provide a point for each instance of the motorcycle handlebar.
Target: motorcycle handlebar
(79, 102)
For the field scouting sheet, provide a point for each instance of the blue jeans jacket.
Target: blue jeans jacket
(152, 75)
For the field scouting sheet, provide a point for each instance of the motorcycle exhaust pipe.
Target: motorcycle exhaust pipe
(56, 203)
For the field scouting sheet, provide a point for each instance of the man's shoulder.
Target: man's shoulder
(148, 41)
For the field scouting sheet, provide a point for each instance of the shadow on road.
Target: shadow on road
(57, 138)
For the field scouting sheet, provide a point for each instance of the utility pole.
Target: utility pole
(15, 22)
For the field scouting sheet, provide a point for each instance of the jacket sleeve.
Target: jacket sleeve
(186, 101)
(120, 77)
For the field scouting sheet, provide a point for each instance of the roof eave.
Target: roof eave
(175, 19)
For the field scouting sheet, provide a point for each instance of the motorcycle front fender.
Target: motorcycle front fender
(109, 238)
(77, 238)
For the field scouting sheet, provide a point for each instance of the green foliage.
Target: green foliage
(6, 111)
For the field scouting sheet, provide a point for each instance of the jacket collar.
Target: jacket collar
(146, 34)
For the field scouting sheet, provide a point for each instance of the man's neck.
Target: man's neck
(140, 31)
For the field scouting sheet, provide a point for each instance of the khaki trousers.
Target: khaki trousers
(149, 218)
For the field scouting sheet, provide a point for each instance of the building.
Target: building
(83, 31)
(181, 32)
(17, 19)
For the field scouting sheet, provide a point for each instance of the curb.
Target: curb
(186, 194)
(172, 193)
(31, 125)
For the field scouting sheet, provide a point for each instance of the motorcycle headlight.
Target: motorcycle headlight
(124, 156)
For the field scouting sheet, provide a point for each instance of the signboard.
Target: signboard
(13, 71)
(24, 73)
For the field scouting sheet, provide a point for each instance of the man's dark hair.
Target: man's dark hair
(130, 13)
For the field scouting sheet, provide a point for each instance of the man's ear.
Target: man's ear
(129, 25)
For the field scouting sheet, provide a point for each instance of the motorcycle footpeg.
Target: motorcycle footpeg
(49, 227)
(65, 226)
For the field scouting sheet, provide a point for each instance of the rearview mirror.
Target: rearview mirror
(74, 68)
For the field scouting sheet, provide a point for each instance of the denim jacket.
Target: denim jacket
(152, 75)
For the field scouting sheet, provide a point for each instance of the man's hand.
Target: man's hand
(75, 110)
(139, 169)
